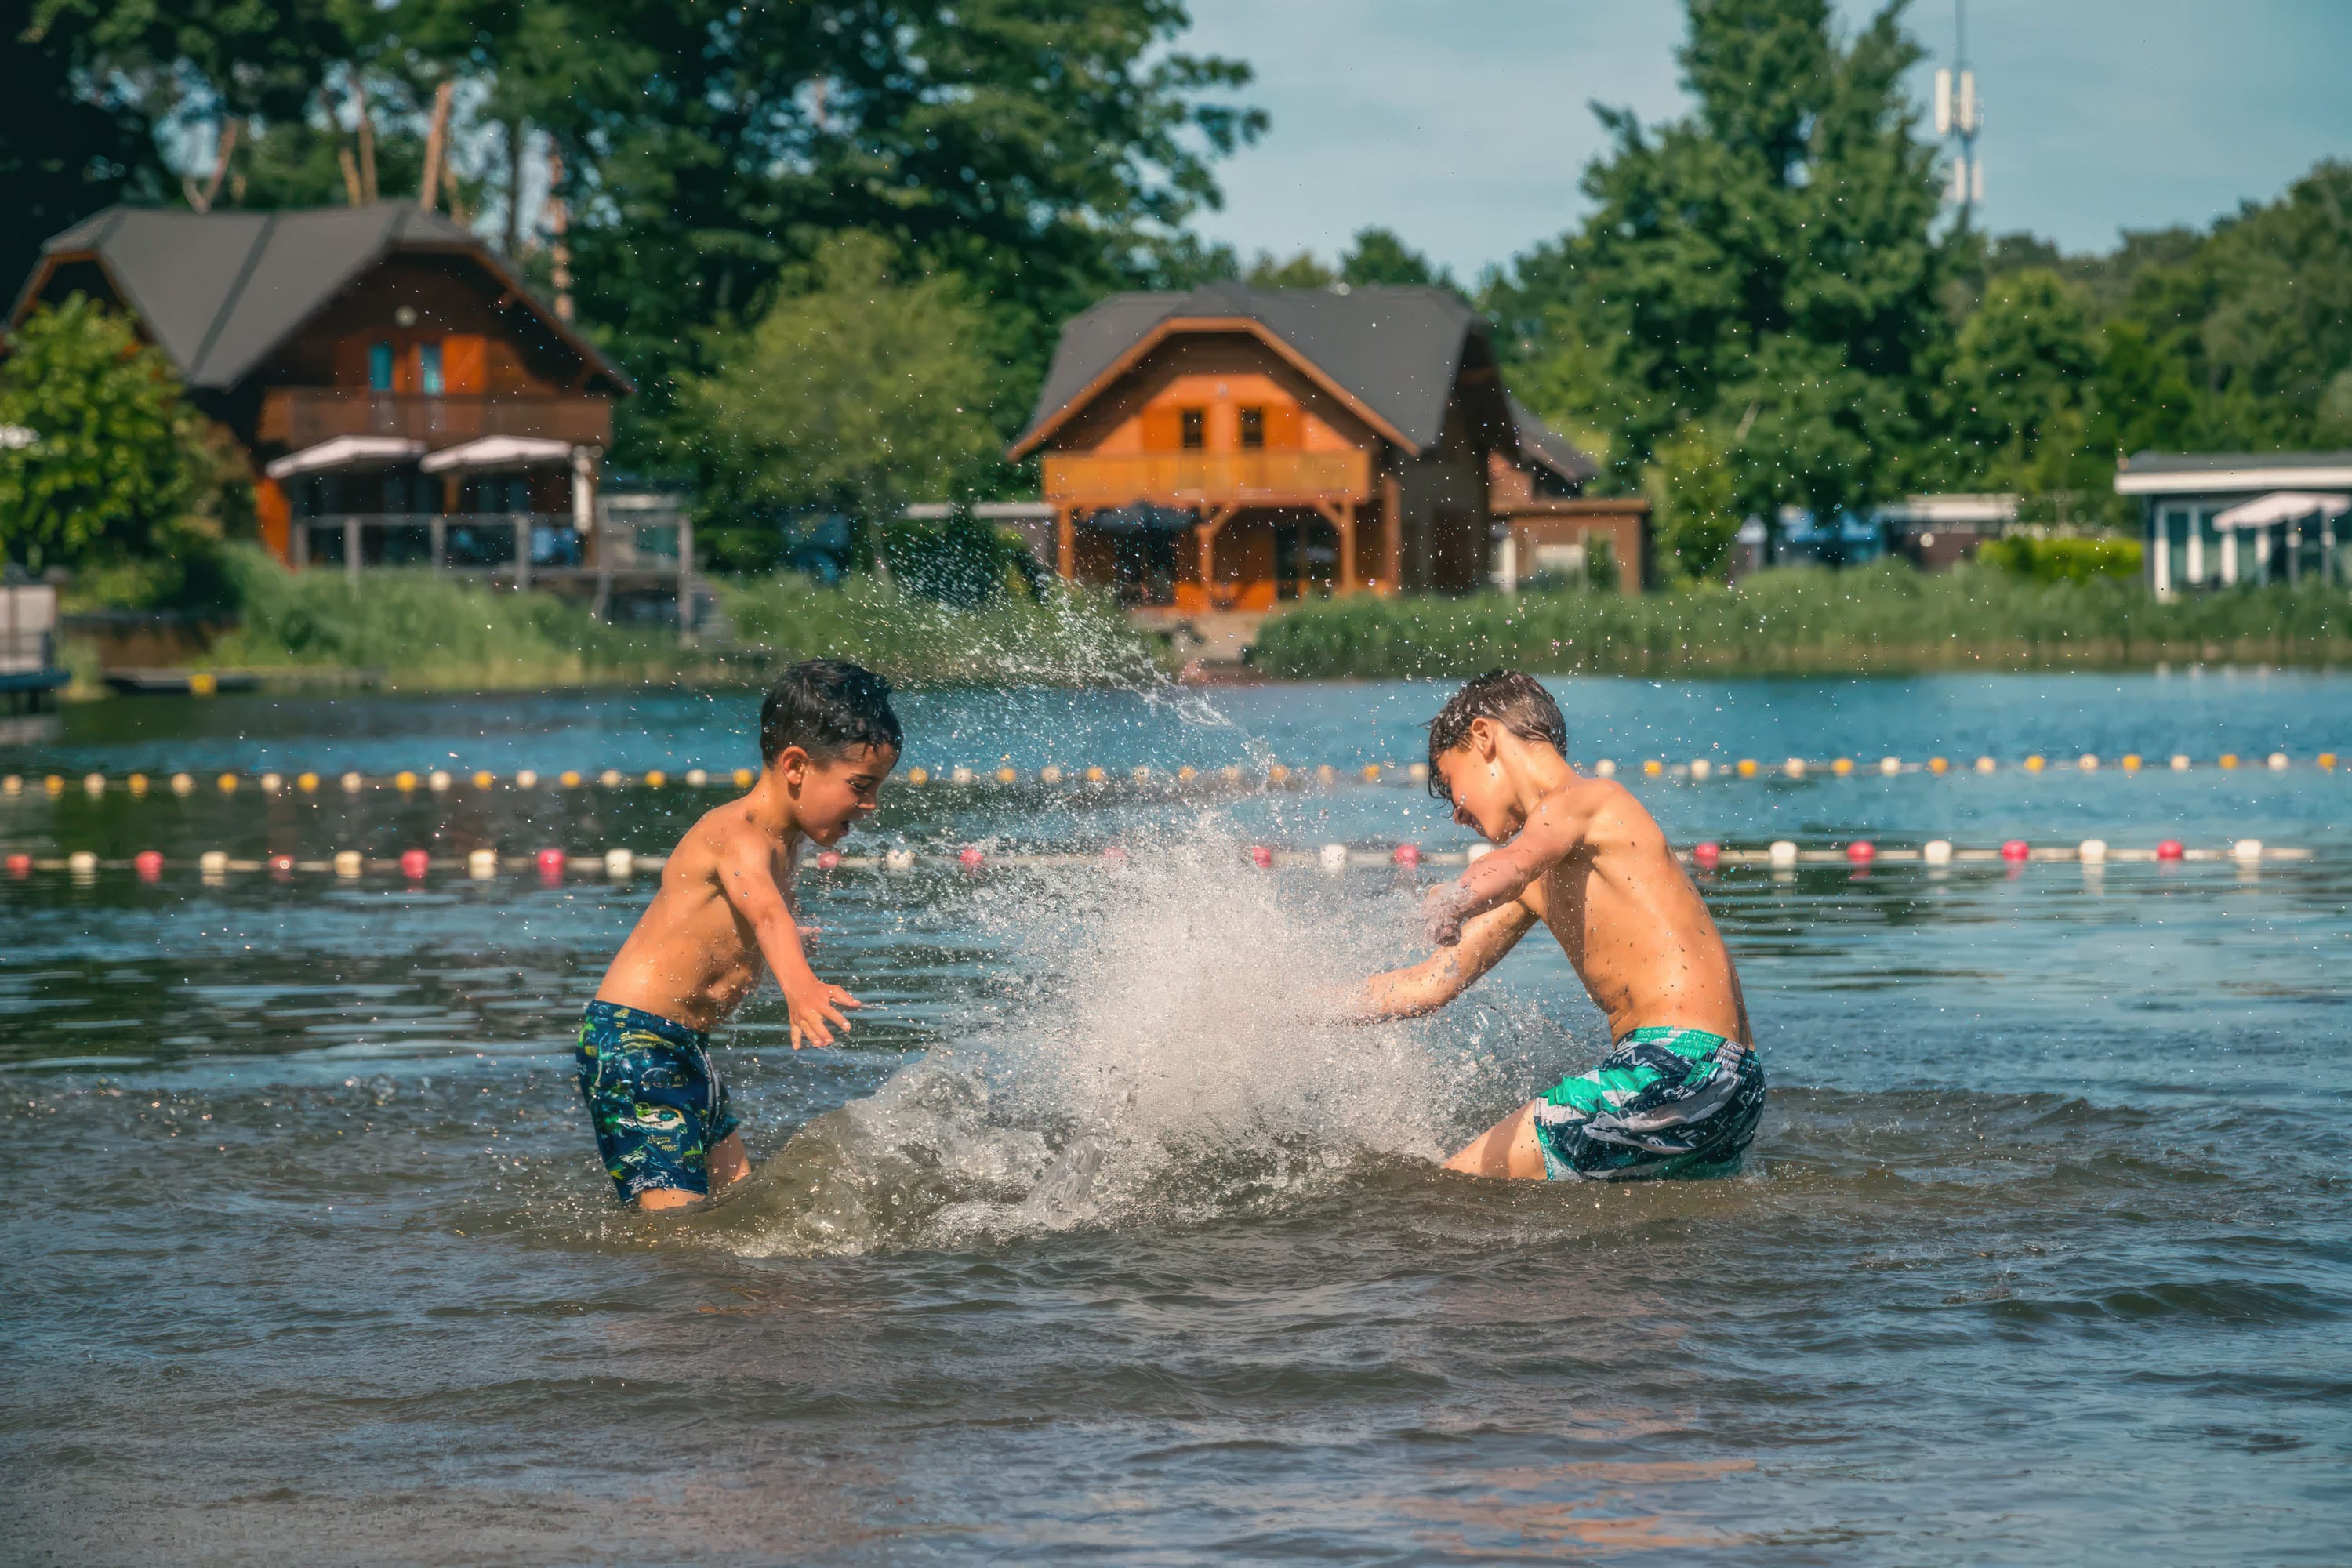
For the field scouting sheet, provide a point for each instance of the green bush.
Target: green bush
(1886, 617)
(2062, 560)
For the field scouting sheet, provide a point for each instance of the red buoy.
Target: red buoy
(20, 865)
(1406, 855)
(1261, 857)
(1862, 851)
(827, 859)
(281, 866)
(413, 864)
(551, 865)
(2169, 850)
(1705, 854)
(2016, 849)
(1115, 853)
(149, 864)
(970, 855)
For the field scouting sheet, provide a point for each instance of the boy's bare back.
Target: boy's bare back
(695, 953)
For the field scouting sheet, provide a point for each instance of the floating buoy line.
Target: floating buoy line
(555, 867)
(1698, 769)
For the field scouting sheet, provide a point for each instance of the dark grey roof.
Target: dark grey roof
(218, 290)
(1539, 443)
(1394, 350)
(2224, 462)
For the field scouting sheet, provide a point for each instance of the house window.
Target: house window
(379, 367)
(1192, 427)
(428, 369)
(1253, 429)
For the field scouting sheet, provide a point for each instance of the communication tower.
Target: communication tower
(1960, 115)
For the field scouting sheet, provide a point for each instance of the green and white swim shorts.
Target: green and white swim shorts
(1664, 1102)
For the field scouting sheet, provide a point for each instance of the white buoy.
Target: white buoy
(2092, 852)
(347, 863)
(12, 785)
(353, 783)
(1140, 775)
(82, 863)
(1890, 766)
(94, 785)
(1605, 769)
(1332, 857)
(1699, 770)
(271, 783)
(898, 858)
(213, 862)
(1231, 773)
(2246, 851)
(1049, 775)
(1783, 852)
(959, 775)
(1794, 767)
(619, 865)
(1986, 765)
(482, 864)
(1936, 852)
(2179, 762)
(182, 785)
(1418, 772)
(438, 781)
(2279, 764)
(2088, 762)
(696, 778)
(526, 779)
(1477, 852)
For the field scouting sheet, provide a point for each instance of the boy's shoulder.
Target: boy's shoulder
(1604, 804)
(721, 831)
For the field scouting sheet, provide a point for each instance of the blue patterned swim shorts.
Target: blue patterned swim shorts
(1666, 1102)
(657, 1107)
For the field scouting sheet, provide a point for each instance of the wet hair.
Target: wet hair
(1518, 703)
(829, 707)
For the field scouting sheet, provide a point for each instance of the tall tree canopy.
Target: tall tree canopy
(1763, 267)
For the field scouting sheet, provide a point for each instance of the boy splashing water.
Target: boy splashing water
(1681, 1090)
(827, 740)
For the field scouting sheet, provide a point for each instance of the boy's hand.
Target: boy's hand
(813, 1005)
(1442, 910)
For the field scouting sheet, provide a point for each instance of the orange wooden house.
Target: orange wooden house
(1233, 447)
(403, 397)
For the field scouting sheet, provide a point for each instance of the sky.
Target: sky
(1465, 125)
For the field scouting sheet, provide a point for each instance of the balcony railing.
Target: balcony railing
(296, 418)
(1207, 479)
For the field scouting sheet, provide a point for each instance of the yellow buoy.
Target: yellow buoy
(918, 776)
(1842, 766)
(2034, 764)
(1747, 767)
(307, 783)
(656, 778)
(1938, 766)
(743, 778)
(485, 780)
(228, 783)
(2131, 762)
(404, 782)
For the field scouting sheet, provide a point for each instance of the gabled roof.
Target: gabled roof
(218, 291)
(1394, 353)
(1541, 445)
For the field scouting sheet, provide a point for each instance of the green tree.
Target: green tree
(1764, 266)
(1693, 498)
(1300, 272)
(120, 466)
(2022, 383)
(1381, 256)
(855, 394)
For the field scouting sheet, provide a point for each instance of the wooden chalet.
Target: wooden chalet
(403, 397)
(1234, 447)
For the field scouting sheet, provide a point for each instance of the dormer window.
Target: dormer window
(429, 369)
(1193, 428)
(379, 367)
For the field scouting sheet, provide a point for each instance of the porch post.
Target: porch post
(522, 528)
(1393, 530)
(1211, 526)
(351, 549)
(1346, 524)
(440, 531)
(685, 580)
(1065, 543)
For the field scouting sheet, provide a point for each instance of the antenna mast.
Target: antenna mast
(1960, 115)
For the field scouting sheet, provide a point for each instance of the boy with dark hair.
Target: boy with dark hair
(1682, 1091)
(827, 740)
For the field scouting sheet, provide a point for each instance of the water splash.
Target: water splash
(1176, 1060)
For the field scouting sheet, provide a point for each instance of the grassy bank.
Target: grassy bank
(424, 630)
(1886, 618)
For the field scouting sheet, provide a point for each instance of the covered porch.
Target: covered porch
(1200, 532)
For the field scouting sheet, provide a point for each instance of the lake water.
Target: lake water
(1088, 1248)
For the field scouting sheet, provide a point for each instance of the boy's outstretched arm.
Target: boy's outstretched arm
(747, 877)
(1549, 835)
(1447, 973)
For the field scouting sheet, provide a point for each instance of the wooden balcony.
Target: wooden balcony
(1208, 478)
(296, 417)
